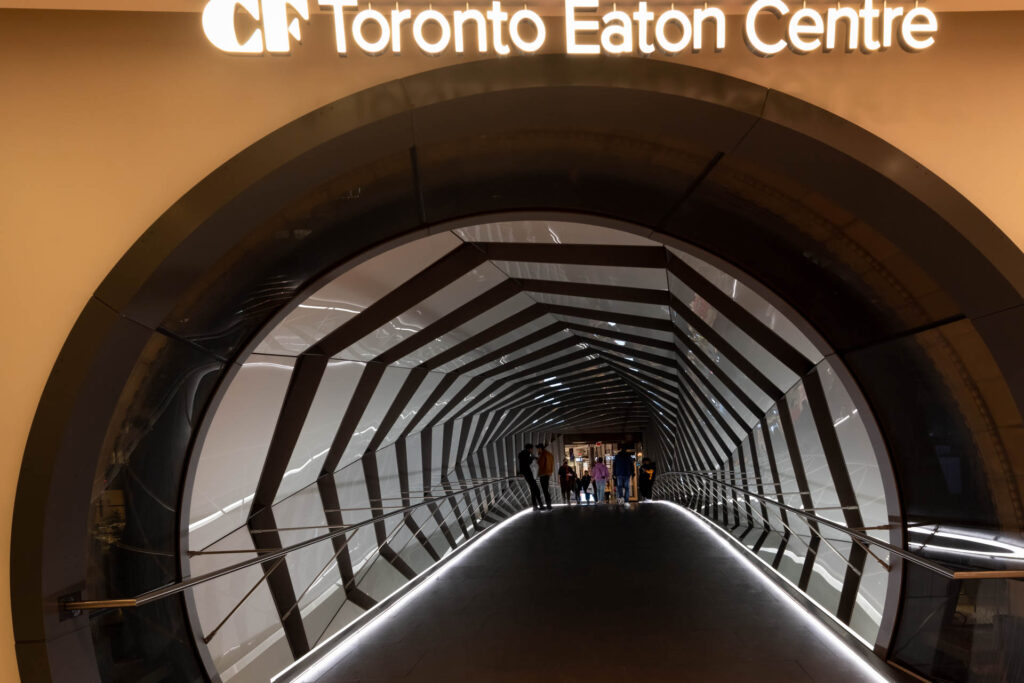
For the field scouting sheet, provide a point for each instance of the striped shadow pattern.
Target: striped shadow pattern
(421, 372)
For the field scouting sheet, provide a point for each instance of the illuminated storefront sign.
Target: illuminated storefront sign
(769, 27)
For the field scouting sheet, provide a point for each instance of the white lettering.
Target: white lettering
(338, 7)
(397, 17)
(643, 18)
(437, 46)
(911, 27)
(868, 15)
(376, 46)
(805, 23)
(497, 17)
(574, 26)
(461, 17)
(834, 17)
(219, 26)
(617, 34)
(538, 27)
(699, 16)
(277, 29)
(889, 17)
(274, 26)
(761, 48)
(661, 37)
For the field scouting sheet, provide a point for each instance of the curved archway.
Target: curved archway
(915, 290)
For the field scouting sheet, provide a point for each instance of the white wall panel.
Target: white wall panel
(549, 232)
(424, 313)
(352, 292)
(390, 384)
(861, 459)
(743, 344)
(621, 276)
(232, 453)
(755, 304)
(253, 630)
(480, 323)
(321, 425)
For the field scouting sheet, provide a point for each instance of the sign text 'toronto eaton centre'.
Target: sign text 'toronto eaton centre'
(770, 27)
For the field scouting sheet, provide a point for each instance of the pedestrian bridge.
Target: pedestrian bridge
(290, 416)
(354, 509)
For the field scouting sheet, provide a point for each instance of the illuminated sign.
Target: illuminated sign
(769, 27)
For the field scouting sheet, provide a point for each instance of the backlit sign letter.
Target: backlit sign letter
(776, 7)
(219, 26)
(574, 25)
(592, 27)
(911, 27)
(538, 28)
(277, 28)
(338, 6)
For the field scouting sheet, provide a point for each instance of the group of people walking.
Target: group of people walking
(537, 463)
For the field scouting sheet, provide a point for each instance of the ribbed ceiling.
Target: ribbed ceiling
(425, 368)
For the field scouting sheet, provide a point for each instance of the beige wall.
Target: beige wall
(108, 118)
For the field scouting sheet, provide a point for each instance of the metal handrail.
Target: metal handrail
(931, 565)
(181, 586)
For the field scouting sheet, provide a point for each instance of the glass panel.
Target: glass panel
(251, 641)
(961, 630)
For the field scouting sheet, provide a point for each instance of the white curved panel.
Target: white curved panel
(549, 232)
(484, 321)
(433, 308)
(620, 276)
(231, 457)
(352, 292)
(656, 311)
(743, 344)
(321, 425)
(755, 304)
(861, 459)
(415, 406)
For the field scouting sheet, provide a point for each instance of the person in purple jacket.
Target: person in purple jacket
(599, 473)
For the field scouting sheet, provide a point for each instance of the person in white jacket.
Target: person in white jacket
(599, 473)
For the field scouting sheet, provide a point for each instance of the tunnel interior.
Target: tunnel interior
(379, 299)
(397, 380)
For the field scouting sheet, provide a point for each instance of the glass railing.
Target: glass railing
(400, 539)
(962, 609)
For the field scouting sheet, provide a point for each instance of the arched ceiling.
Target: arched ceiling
(509, 327)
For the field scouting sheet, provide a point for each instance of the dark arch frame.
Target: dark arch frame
(542, 134)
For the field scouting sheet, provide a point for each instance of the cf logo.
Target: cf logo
(275, 35)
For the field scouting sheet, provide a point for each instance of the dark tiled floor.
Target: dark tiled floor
(595, 594)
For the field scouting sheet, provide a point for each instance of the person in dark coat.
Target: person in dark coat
(545, 467)
(526, 458)
(645, 481)
(567, 479)
(622, 470)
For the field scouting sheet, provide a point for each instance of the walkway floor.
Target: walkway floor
(596, 594)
